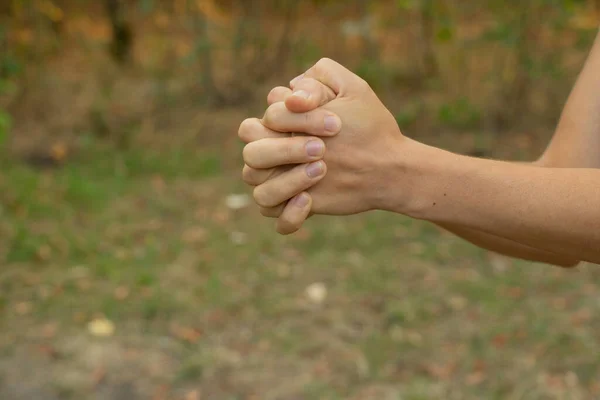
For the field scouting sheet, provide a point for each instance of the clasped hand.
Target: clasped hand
(325, 146)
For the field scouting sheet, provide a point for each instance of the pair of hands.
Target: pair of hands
(322, 147)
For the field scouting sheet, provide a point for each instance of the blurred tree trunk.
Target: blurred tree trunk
(427, 25)
(202, 28)
(122, 33)
(268, 55)
(514, 94)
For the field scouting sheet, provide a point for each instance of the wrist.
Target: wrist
(416, 178)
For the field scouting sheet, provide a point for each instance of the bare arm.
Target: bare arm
(576, 144)
(553, 209)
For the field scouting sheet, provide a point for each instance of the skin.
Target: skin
(369, 164)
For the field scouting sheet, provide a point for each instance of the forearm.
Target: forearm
(554, 210)
(508, 247)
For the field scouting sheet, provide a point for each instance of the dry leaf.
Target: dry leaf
(475, 378)
(237, 201)
(98, 376)
(49, 330)
(190, 335)
(101, 327)
(195, 235)
(48, 351)
(44, 252)
(121, 293)
(443, 372)
(457, 303)
(193, 395)
(499, 341)
(316, 293)
(23, 308)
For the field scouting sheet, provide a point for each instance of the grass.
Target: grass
(144, 239)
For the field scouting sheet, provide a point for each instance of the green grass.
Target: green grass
(411, 313)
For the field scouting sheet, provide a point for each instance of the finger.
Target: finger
(273, 212)
(294, 214)
(308, 95)
(252, 129)
(255, 177)
(274, 152)
(282, 188)
(278, 94)
(334, 75)
(319, 122)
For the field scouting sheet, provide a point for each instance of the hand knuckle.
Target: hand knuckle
(259, 196)
(245, 129)
(276, 94)
(248, 155)
(324, 62)
(262, 197)
(274, 114)
(248, 174)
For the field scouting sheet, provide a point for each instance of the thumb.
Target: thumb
(333, 75)
(308, 95)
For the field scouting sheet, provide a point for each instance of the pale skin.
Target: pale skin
(546, 211)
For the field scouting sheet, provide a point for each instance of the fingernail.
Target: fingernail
(301, 93)
(301, 200)
(332, 124)
(314, 170)
(296, 79)
(315, 148)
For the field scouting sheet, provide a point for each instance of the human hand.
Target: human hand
(356, 158)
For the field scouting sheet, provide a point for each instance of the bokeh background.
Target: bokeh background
(135, 266)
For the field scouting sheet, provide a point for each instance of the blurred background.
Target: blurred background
(135, 266)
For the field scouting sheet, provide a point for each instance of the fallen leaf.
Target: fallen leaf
(571, 379)
(193, 395)
(44, 252)
(121, 293)
(84, 285)
(581, 317)
(101, 327)
(220, 216)
(98, 376)
(48, 351)
(316, 293)
(23, 308)
(457, 303)
(515, 292)
(475, 378)
(190, 335)
(443, 371)
(195, 235)
(237, 201)
(499, 341)
(49, 330)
